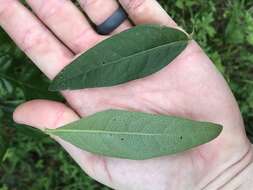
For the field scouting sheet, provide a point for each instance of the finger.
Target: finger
(44, 114)
(48, 114)
(67, 22)
(147, 11)
(33, 38)
(99, 10)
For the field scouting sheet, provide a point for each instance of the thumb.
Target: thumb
(43, 114)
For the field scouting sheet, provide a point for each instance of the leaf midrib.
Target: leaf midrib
(105, 132)
(122, 59)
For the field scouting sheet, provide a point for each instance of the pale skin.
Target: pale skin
(189, 87)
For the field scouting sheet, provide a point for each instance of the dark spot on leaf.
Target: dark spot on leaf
(122, 139)
(181, 137)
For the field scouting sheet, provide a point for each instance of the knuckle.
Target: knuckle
(50, 8)
(136, 6)
(88, 3)
(84, 40)
(35, 37)
(5, 7)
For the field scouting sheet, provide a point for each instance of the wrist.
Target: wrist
(239, 176)
(244, 180)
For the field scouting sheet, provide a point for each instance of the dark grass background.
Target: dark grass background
(32, 161)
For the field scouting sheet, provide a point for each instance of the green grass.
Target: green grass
(32, 161)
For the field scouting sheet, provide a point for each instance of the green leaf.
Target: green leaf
(3, 144)
(33, 133)
(130, 55)
(136, 135)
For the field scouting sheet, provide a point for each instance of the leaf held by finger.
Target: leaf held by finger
(132, 54)
(136, 135)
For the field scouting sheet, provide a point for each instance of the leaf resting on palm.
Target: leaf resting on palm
(132, 54)
(136, 135)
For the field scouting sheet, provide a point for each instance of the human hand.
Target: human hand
(189, 87)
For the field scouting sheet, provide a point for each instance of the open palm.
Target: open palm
(190, 87)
